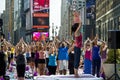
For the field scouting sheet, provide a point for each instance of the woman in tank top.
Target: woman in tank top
(78, 44)
(52, 59)
(88, 58)
(41, 60)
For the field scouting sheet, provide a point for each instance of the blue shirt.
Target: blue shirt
(63, 53)
(96, 52)
(52, 60)
(27, 55)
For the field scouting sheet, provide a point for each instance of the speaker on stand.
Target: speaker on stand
(114, 43)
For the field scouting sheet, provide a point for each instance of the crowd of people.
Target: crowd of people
(55, 57)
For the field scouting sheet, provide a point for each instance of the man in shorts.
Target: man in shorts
(63, 58)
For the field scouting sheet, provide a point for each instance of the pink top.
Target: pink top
(41, 55)
(78, 41)
(88, 54)
(76, 18)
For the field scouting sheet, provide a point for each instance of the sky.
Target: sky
(2, 5)
(55, 13)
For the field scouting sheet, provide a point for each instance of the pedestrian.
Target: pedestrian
(78, 44)
(47, 55)
(103, 53)
(36, 58)
(41, 60)
(71, 58)
(96, 59)
(63, 58)
(20, 60)
(32, 59)
(9, 56)
(88, 58)
(2, 62)
(46, 50)
(28, 54)
(52, 64)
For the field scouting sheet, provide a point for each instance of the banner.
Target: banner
(40, 5)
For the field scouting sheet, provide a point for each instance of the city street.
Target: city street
(59, 40)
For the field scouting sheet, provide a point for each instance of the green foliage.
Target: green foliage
(110, 56)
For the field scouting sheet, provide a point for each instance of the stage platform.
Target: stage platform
(29, 76)
(67, 77)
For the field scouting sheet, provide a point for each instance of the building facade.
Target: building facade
(66, 19)
(28, 25)
(19, 20)
(3, 28)
(89, 27)
(8, 20)
(107, 17)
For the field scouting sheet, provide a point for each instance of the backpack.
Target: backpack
(20, 59)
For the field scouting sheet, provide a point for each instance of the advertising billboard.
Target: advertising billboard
(43, 36)
(41, 20)
(90, 4)
(40, 5)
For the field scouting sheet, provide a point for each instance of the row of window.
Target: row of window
(104, 6)
(103, 28)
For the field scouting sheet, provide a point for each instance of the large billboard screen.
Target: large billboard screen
(90, 4)
(40, 36)
(40, 5)
(41, 20)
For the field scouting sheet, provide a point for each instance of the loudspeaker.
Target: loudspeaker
(1, 22)
(114, 39)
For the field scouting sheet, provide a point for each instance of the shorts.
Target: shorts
(41, 61)
(36, 63)
(77, 55)
(63, 64)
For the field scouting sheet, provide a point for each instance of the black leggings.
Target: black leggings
(96, 65)
(2, 69)
(52, 70)
(21, 70)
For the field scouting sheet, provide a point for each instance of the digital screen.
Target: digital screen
(39, 5)
(89, 3)
(43, 21)
(90, 10)
(43, 36)
(40, 20)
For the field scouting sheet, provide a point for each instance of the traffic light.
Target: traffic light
(1, 22)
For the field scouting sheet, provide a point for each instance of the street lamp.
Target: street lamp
(52, 30)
